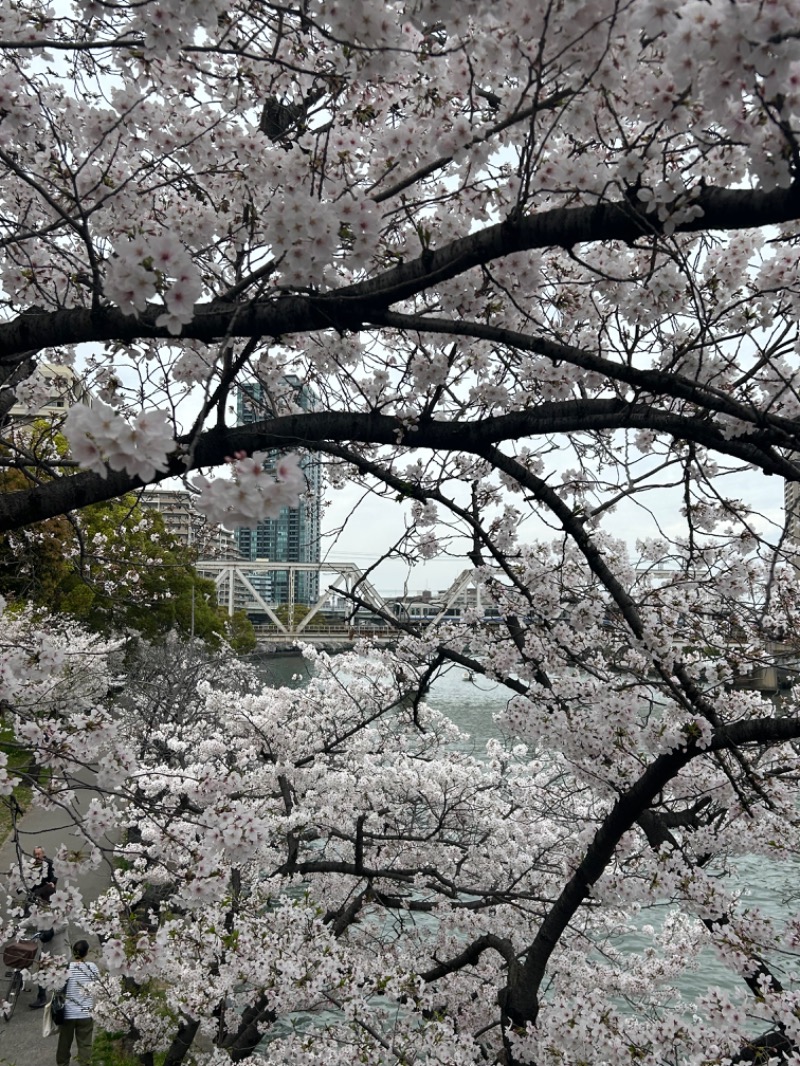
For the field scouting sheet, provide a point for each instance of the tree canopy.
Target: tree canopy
(538, 264)
(598, 204)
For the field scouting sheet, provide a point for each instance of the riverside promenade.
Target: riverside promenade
(21, 1040)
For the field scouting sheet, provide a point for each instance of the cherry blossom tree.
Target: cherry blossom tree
(334, 851)
(538, 263)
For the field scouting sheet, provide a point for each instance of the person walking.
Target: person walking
(43, 887)
(78, 1021)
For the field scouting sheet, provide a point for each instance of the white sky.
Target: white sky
(378, 523)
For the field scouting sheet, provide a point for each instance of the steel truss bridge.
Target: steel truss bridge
(240, 587)
(237, 592)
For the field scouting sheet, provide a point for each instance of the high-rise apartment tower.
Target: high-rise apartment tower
(294, 536)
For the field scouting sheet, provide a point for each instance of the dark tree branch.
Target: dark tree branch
(181, 1043)
(10, 377)
(341, 919)
(347, 308)
(470, 955)
(765, 1048)
(314, 430)
(522, 999)
(705, 396)
(247, 1037)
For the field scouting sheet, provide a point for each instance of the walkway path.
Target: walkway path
(21, 1041)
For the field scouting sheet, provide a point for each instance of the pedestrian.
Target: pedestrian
(78, 1021)
(46, 880)
(42, 888)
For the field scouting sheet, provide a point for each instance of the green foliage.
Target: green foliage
(109, 1049)
(240, 634)
(113, 566)
(291, 614)
(19, 762)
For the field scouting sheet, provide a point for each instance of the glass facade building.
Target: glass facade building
(791, 503)
(294, 536)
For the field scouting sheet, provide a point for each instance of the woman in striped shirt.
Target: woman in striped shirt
(78, 1021)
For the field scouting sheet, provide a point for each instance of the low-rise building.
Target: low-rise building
(48, 393)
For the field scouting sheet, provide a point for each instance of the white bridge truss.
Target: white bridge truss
(237, 592)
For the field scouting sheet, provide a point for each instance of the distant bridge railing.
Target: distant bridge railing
(266, 633)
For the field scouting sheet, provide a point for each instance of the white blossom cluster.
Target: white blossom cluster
(34, 393)
(252, 494)
(148, 266)
(101, 439)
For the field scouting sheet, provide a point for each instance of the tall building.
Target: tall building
(294, 536)
(791, 506)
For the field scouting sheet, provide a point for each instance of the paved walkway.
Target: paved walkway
(21, 1041)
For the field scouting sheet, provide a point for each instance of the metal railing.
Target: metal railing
(266, 631)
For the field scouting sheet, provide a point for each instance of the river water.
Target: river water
(471, 703)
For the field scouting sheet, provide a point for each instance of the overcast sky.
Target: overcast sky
(378, 523)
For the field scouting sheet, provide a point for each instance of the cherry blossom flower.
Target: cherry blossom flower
(102, 439)
(252, 494)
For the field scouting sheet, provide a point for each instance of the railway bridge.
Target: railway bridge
(347, 607)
